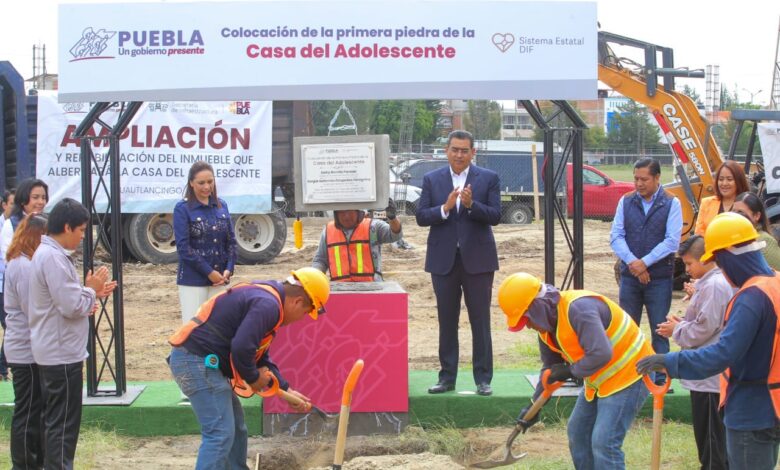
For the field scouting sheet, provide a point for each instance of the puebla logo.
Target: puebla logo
(92, 45)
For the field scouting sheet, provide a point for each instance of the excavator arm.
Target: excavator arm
(696, 153)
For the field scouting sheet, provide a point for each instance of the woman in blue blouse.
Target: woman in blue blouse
(205, 241)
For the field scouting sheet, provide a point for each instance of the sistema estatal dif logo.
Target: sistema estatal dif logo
(100, 44)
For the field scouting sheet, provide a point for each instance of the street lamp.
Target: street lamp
(752, 94)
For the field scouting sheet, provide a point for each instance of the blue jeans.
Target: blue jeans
(224, 434)
(752, 450)
(656, 297)
(597, 428)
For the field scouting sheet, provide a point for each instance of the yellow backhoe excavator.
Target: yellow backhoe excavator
(696, 153)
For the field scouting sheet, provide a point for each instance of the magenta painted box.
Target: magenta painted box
(316, 356)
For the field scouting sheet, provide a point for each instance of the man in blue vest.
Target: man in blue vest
(645, 236)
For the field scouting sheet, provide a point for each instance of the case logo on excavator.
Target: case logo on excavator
(684, 134)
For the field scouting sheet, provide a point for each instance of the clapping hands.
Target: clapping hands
(99, 282)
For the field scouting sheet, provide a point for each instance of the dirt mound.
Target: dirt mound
(423, 461)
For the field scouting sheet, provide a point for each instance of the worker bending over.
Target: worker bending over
(583, 334)
(229, 339)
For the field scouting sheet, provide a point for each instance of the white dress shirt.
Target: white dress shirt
(458, 181)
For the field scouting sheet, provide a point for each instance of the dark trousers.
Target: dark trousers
(656, 298)
(61, 385)
(709, 431)
(27, 424)
(477, 290)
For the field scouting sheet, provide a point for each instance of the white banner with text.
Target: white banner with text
(769, 138)
(158, 149)
(309, 50)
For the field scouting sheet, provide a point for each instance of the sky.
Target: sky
(740, 37)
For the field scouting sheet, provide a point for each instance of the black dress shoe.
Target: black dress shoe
(484, 390)
(442, 387)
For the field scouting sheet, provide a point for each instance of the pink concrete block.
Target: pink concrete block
(316, 356)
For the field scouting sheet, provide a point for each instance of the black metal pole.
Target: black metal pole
(116, 268)
(578, 251)
(549, 207)
(87, 252)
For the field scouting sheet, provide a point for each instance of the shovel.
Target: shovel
(346, 402)
(509, 456)
(658, 392)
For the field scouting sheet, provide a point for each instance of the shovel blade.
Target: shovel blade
(324, 416)
(509, 456)
(508, 460)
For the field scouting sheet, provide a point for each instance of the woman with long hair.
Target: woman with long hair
(730, 180)
(750, 206)
(31, 197)
(26, 430)
(205, 241)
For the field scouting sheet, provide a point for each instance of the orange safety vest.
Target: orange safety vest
(628, 346)
(350, 260)
(240, 387)
(771, 287)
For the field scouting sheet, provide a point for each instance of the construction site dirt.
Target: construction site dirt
(152, 313)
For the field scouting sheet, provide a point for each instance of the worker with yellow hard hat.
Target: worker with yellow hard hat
(583, 334)
(224, 352)
(746, 353)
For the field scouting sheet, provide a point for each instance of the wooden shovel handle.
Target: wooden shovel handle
(547, 391)
(346, 401)
(658, 392)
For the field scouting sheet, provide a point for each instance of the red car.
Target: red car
(600, 193)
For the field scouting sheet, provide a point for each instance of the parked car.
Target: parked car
(600, 193)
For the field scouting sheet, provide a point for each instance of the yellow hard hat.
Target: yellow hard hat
(317, 287)
(515, 296)
(726, 230)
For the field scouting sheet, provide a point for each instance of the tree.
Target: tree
(377, 117)
(483, 119)
(729, 101)
(594, 138)
(386, 119)
(692, 94)
(632, 131)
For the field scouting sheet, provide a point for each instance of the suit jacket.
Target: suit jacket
(468, 229)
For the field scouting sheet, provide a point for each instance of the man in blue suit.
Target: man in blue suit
(460, 202)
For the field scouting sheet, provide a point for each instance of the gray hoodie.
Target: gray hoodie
(59, 307)
(589, 317)
(704, 321)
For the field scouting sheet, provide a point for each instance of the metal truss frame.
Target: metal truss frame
(106, 345)
(566, 126)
